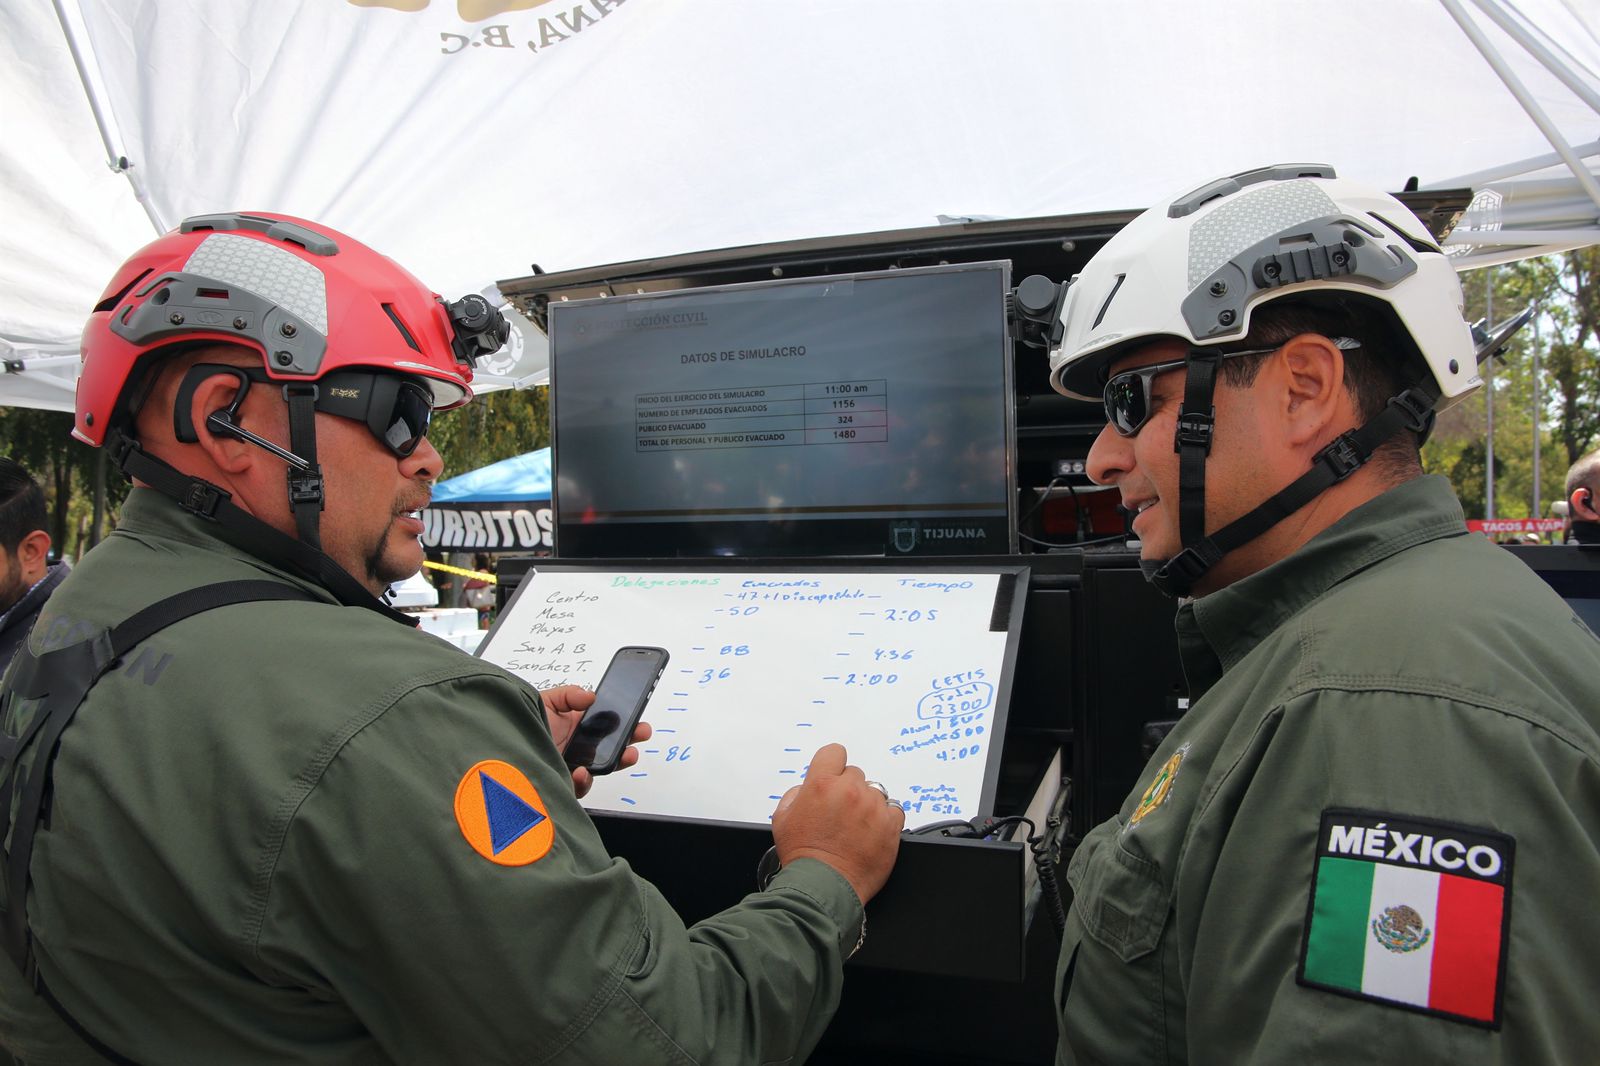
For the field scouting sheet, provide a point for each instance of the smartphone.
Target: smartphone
(603, 732)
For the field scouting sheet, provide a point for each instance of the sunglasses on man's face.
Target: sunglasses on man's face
(394, 408)
(1127, 396)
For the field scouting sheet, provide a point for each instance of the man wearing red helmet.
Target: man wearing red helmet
(285, 826)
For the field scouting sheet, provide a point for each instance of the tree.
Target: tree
(1573, 358)
(494, 426)
(1566, 291)
(65, 469)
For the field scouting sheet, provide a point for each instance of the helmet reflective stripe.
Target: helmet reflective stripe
(1195, 271)
(309, 300)
(1249, 218)
(267, 270)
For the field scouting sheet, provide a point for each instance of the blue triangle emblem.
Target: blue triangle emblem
(509, 815)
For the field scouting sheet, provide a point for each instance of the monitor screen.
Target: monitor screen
(1573, 572)
(856, 415)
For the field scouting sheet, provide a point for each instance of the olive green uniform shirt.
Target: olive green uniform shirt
(1395, 665)
(253, 855)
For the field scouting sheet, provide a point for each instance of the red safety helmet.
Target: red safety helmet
(309, 299)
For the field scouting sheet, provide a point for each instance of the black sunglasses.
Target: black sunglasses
(1127, 395)
(395, 409)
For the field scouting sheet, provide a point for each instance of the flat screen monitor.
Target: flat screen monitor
(856, 415)
(1573, 572)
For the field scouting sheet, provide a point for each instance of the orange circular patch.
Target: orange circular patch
(501, 815)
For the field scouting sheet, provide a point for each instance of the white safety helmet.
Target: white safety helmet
(1195, 269)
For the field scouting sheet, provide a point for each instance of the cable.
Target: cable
(1049, 887)
(1038, 843)
(1078, 544)
(1079, 510)
(995, 825)
(946, 829)
(1045, 495)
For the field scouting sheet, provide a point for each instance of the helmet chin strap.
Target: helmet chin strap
(305, 485)
(303, 474)
(1411, 410)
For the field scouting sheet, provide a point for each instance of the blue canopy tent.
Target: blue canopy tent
(502, 507)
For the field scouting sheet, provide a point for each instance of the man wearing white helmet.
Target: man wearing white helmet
(1362, 840)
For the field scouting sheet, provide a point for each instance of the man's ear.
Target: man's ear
(213, 394)
(33, 551)
(1311, 395)
(1582, 506)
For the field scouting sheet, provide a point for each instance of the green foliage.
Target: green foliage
(65, 469)
(1566, 336)
(494, 426)
(1565, 394)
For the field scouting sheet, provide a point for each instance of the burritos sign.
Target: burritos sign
(499, 527)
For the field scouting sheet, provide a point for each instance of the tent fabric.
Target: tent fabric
(520, 478)
(470, 139)
(68, 220)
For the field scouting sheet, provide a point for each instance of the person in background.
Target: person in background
(253, 816)
(1361, 842)
(27, 577)
(480, 592)
(1583, 500)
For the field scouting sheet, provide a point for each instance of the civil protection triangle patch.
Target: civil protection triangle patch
(501, 814)
(1411, 913)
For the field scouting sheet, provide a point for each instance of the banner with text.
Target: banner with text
(513, 526)
(1514, 525)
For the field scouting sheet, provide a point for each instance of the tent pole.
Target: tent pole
(1511, 170)
(1538, 507)
(1523, 236)
(1488, 396)
(1535, 48)
(1481, 259)
(1523, 97)
(117, 160)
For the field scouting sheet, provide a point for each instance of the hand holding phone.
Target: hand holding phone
(603, 733)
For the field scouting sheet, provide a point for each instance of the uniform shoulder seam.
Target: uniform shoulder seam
(310, 775)
(1381, 684)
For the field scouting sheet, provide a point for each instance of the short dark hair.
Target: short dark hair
(1386, 361)
(1585, 474)
(21, 504)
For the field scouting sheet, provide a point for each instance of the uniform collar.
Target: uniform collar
(1216, 631)
(147, 512)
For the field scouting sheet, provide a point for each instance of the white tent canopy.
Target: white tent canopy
(469, 139)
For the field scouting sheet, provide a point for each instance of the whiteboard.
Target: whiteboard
(910, 671)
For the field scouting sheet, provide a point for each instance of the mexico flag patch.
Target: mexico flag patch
(1410, 913)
